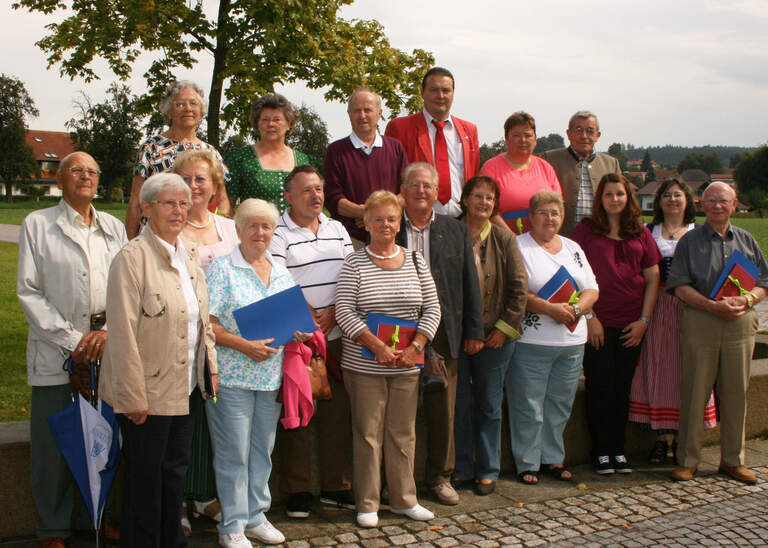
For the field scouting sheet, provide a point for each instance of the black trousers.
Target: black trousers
(156, 458)
(609, 372)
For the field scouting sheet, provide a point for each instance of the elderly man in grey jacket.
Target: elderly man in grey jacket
(64, 257)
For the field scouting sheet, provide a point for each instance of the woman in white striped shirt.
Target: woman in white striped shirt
(386, 279)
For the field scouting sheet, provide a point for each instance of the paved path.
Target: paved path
(9, 233)
(641, 509)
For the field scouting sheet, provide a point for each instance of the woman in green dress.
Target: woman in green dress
(258, 170)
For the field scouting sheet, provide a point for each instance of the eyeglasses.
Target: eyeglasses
(172, 204)
(80, 170)
(712, 202)
(585, 131)
(417, 184)
(275, 119)
(483, 197)
(181, 104)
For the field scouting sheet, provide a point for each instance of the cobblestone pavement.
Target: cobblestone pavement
(708, 511)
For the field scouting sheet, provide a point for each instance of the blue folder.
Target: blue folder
(279, 316)
(373, 320)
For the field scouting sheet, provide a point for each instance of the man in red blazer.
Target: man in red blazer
(434, 136)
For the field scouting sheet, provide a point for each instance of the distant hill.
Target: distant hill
(672, 154)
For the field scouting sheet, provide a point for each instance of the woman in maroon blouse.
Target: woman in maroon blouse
(624, 258)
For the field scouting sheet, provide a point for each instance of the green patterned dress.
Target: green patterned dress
(250, 180)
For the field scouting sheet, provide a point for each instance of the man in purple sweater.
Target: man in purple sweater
(357, 165)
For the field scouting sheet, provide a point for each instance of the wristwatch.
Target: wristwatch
(419, 347)
(576, 309)
(645, 319)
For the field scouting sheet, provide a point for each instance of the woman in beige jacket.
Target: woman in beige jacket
(160, 351)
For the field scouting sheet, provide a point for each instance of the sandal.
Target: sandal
(560, 473)
(659, 452)
(530, 474)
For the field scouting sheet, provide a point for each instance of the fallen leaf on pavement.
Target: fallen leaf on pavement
(582, 486)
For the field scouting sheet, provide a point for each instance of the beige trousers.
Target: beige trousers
(713, 349)
(383, 424)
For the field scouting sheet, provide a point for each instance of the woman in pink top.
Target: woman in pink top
(519, 173)
(214, 236)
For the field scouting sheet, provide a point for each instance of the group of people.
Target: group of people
(463, 255)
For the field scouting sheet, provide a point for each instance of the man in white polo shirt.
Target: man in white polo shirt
(313, 248)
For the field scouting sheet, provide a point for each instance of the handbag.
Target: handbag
(434, 375)
(318, 377)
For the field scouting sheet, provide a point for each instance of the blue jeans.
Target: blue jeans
(477, 423)
(243, 424)
(541, 385)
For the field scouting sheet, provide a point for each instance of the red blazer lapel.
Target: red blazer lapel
(422, 137)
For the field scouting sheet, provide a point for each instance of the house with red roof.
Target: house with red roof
(49, 148)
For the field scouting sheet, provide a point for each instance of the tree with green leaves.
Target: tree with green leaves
(489, 151)
(752, 171)
(550, 142)
(109, 131)
(617, 151)
(254, 45)
(17, 159)
(309, 135)
(708, 163)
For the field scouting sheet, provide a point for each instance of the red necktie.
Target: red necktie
(441, 164)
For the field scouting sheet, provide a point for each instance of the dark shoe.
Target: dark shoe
(658, 454)
(298, 505)
(603, 465)
(739, 473)
(682, 473)
(532, 475)
(53, 542)
(559, 473)
(484, 489)
(338, 499)
(463, 484)
(621, 464)
(674, 453)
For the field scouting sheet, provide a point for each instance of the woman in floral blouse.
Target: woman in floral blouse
(244, 419)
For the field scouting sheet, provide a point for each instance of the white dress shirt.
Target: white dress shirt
(93, 241)
(178, 261)
(455, 163)
(358, 143)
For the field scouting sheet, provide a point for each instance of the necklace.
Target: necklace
(673, 235)
(204, 225)
(382, 257)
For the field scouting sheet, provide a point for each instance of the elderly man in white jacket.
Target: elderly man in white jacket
(64, 257)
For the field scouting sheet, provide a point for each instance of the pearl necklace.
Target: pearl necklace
(204, 225)
(382, 257)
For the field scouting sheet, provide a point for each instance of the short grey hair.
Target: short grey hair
(275, 101)
(256, 207)
(416, 166)
(162, 182)
(363, 90)
(718, 184)
(173, 90)
(583, 114)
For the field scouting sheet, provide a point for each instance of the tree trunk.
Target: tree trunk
(217, 78)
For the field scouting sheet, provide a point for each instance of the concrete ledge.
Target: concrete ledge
(18, 515)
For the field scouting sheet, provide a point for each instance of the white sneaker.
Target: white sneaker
(367, 519)
(235, 540)
(265, 533)
(418, 513)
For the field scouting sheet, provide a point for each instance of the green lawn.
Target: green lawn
(14, 392)
(13, 214)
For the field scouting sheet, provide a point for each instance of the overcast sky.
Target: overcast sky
(680, 72)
